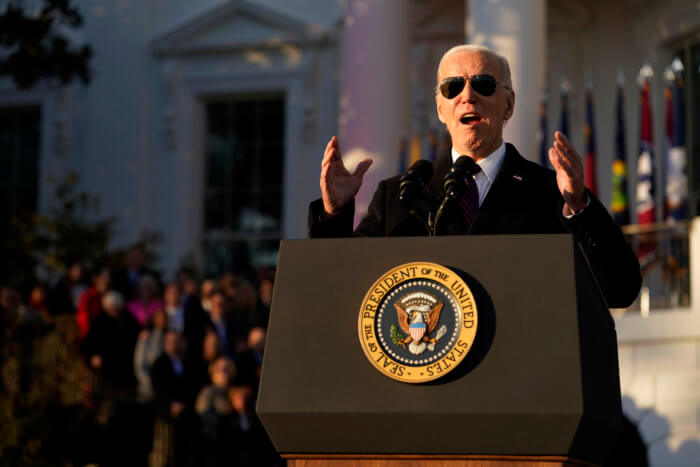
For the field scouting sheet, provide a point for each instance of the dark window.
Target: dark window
(692, 64)
(243, 187)
(19, 162)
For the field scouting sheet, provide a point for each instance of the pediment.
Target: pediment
(235, 25)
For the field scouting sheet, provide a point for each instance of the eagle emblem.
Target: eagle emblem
(418, 316)
(417, 322)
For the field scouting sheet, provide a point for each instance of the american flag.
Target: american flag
(676, 178)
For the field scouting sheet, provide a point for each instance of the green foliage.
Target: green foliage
(34, 48)
(396, 335)
(42, 381)
(66, 232)
(43, 246)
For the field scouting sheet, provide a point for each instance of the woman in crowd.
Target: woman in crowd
(90, 302)
(148, 348)
(148, 301)
(214, 410)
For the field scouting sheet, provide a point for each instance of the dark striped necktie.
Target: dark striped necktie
(469, 202)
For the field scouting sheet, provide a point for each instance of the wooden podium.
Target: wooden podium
(430, 461)
(539, 387)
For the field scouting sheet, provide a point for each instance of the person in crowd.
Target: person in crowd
(148, 348)
(214, 409)
(187, 285)
(63, 296)
(109, 348)
(147, 302)
(221, 323)
(173, 399)
(109, 345)
(249, 363)
(242, 310)
(251, 446)
(174, 308)
(37, 300)
(261, 312)
(196, 310)
(127, 278)
(229, 284)
(207, 287)
(210, 350)
(90, 302)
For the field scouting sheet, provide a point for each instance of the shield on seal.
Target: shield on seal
(417, 331)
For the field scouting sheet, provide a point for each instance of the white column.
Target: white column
(516, 29)
(374, 98)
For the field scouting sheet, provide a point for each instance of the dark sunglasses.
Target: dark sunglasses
(483, 84)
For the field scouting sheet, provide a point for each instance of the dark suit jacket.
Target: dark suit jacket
(523, 199)
(168, 386)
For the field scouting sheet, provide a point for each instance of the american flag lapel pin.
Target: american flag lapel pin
(518, 178)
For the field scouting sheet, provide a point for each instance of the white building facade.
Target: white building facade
(207, 121)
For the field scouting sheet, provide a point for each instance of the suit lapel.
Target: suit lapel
(506, 188)
(504, 191)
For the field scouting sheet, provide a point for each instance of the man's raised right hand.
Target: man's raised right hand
(338, 185)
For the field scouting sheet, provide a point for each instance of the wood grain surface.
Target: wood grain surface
(341, 460)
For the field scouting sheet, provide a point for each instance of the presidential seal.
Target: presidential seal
(417, 322)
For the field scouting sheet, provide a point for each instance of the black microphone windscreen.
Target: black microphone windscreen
(466, 164)
(422, 169)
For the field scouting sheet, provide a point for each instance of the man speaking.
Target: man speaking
(505, 193)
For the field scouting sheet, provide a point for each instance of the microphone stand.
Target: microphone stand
(426, 224)
(438, 216)
(412, 191)
(455, 184)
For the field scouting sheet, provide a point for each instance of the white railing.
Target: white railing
(664, 252)
(668, 306)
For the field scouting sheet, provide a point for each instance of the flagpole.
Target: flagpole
(619, 204)
(645, 199)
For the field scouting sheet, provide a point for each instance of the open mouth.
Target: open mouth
(470, 119)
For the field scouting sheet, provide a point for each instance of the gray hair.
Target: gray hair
(505, 67)
(113, 299)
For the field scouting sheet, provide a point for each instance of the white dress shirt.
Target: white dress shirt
(490, 165)
(176, 318)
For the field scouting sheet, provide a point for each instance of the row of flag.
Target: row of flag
(676, 186)
(676, 182)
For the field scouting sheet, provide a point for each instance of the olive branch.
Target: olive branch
(396, 335)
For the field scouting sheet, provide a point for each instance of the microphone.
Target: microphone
(455, 184)
(414, 180)
(460, 175)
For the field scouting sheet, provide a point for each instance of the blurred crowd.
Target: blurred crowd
(174, 366)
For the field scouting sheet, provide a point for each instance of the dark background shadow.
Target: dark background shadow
(485, 333)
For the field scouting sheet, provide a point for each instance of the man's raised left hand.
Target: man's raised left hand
(569, 168)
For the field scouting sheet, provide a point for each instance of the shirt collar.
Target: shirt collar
(489, 164)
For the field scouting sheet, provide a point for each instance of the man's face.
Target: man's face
(172, 344)
(172, 295)
(207, 287)
(218, 305)
(481, 134)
